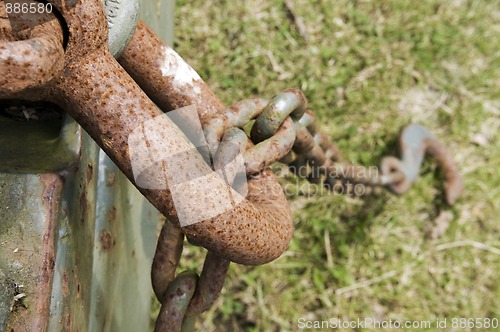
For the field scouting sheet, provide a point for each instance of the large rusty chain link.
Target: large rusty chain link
(77, 72)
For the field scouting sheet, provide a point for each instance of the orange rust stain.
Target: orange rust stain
(112, 214)
(107, 241)
(90, 172)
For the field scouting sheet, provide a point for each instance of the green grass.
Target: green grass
(367, 68)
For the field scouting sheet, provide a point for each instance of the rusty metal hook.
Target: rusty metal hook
(414, 142)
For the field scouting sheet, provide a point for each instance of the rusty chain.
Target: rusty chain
(280, 130)
(284, 130)
(97, 92)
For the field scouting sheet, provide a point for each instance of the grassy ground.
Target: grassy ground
(367, 68)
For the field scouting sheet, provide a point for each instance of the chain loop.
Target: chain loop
(290, 102)
(174, 306)
(185, 296)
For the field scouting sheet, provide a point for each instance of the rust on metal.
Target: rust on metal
(34, 60)
(176, 302)
(453, 185)
(236, 115)
(53, 187)
(270, 150)
(89, 172)
(109, 105)
(95, 89)
(107, 241)
(39, 263)
(290, 102)
(209, 285)
(318, 160)
(112, 214)
(157, 68)
(167, 255)
(308, 120)
(414, 142)
(332, 152)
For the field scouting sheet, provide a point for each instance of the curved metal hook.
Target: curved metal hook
(414, 142)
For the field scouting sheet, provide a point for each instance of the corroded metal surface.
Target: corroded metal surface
(177, 298)
(185, 296)
(167, 255)
(209, 285)
(290, 102)
(93, 87)
(165, 77)
(103, 234)
(27, 252)
(171, 83)
(110, 106)
(414, 142)
(97, 235)
(314, 157)
(236, 115)
(37, 59)
(266, 151)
